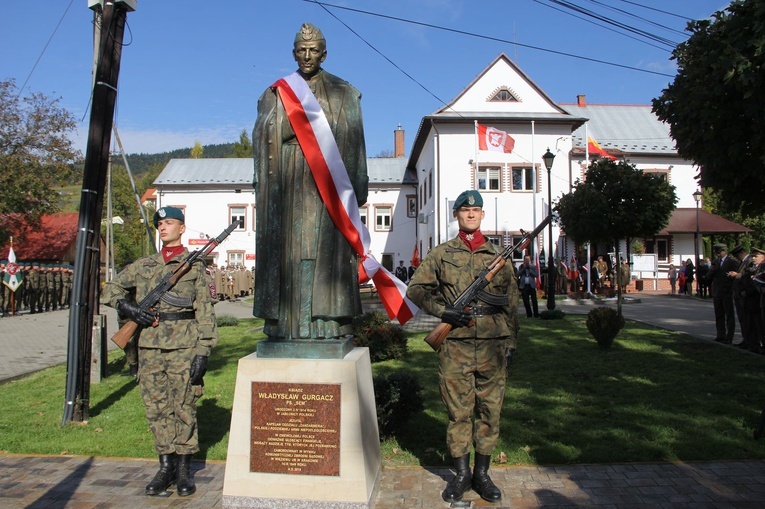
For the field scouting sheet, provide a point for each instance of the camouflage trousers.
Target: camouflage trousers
(169, 398)
(471, 374)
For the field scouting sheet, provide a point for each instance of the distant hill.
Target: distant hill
(140, 163)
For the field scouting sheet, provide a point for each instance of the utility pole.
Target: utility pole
(86, 284)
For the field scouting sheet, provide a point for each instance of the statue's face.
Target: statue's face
(309, 55)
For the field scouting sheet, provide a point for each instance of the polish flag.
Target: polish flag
(492, 139)
(593, 147)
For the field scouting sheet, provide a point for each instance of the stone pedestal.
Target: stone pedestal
(293, 444)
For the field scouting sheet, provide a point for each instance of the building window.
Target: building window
(517, 255)
(411, 205)
(489, 178)
(383, 218)
(387, 261)
(663, 174)
(235, 259)
(238, 213)
(363, 214)
(495, 239)
(659, 247)
(503, 95)
(523, 178)
(430, 185)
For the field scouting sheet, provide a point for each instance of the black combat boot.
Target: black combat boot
(165, 477)
(482, 483)
(461, 482)
(186, 484)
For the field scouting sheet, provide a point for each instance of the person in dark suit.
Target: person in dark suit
(527, 282)
(722, 293)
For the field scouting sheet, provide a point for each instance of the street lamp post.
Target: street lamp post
(548, 158)
(697, 197)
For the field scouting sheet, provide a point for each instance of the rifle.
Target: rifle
(168, 281)
(482, 280)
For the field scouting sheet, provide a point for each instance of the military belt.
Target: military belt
(484, 310)
(180, 315)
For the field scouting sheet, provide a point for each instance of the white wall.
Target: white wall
(207, 213)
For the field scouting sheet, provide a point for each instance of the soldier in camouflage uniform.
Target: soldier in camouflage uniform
(472, 362)
(66, 281)
(33, 299)
(173, 350)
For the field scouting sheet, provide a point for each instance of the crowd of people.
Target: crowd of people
(232, 283)
(44, 287)
(738, 290)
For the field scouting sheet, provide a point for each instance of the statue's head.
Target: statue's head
(310, 49)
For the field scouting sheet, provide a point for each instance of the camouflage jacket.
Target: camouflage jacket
(195, 288)
(448, 270)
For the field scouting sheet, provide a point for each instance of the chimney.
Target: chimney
(398, 142)
(581, 100)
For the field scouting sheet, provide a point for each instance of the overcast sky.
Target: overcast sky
(194, 69)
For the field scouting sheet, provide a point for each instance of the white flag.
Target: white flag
(13, 276)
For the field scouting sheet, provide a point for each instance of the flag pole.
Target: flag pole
(534, 187)
(475, 147)
(13, 293)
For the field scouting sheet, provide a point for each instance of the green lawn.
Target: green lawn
(655, 395)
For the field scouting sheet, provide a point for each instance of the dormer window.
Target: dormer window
(503, 95)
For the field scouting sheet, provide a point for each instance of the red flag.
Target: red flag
(416, 257)
(593, 147)
(539, 269)
(494, 140)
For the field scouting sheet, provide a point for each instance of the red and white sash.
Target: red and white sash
(323, 157)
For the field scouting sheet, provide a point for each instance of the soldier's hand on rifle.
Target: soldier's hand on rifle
(132, 311)
(198, 369)
(456, 317)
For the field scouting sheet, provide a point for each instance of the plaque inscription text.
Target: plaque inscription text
(295, 428)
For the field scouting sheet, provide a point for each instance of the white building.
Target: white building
(447, 161)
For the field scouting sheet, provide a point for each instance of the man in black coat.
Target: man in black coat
(722, 293)
(527, 282)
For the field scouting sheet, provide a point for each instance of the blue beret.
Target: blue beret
(470, 198)
(168, 213)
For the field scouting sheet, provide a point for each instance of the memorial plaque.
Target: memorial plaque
(295, 428)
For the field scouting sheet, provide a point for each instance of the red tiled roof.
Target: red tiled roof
(149, 194)
(684, 221)
(50, 242)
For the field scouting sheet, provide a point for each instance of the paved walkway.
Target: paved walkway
(34, 342)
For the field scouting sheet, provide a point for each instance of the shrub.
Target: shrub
(227, 321)
(604, 324)
(398, 396)
(384, 339)
(552, 314)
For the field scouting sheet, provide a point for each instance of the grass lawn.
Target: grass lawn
(653, 396)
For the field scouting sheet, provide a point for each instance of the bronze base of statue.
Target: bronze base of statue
(305, 349)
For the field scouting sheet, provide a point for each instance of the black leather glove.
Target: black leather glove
(198, 369)
(132, 311)
(456, 317)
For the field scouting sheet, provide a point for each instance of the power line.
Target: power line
(495, 39)
(635, 16)
(45, 48)
(598, 24)
(657, 10)
(587, 12)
